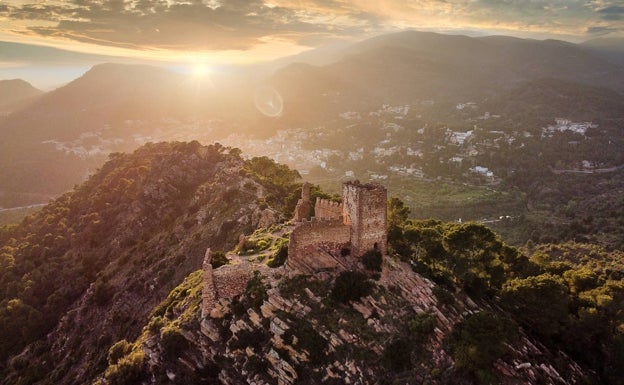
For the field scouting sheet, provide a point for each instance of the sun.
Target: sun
(200, 70)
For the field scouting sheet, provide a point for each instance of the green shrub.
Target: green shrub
(279, 256)
(256, 365)
(351, 286)
(218, 259)
(422, 326)
(479, 340)
(155, 324)
(263, 244)
(540, 303)
(102, 293)
(118, 350)
(397, 355)
(255, 339)
(372, 260)
(252, 246)
(255, 292)
(172, 341)
(443, 296)
(307, 338)
(128, 371)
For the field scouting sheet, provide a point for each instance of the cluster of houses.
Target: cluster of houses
(391, 154)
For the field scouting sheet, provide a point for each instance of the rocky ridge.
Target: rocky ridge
(122, 242)
(285, 328)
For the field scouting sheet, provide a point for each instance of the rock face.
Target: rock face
(291, 332)
(209, 297)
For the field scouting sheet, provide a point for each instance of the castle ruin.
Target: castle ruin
(334, 238)
(302, 210)
(355, 226)
(365, 211)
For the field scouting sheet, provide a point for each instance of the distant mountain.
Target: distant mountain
(53, 143)
(610, 48)
(15, 94)
(412, 66)
(543, 99)
(105, 95)
(67, 133)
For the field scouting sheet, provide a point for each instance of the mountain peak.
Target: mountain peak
(15, 93)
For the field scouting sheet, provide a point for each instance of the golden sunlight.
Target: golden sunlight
(200, 70)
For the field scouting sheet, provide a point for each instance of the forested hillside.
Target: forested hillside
(90, 265)
(570, 296)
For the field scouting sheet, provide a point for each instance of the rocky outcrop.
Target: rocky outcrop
(295, 333)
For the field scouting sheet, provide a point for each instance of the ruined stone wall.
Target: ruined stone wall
(365, 210)
(315, 245)
(302, 210)
(228, 281)
(231, 280)
(209, 297)
(326, 209)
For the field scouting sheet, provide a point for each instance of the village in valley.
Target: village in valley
(401, 141)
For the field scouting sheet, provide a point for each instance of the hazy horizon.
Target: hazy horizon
(59, 40)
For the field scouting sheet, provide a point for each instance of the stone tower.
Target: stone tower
(365, 210)
(302, 211)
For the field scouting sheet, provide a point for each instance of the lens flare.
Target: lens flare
(269, 101)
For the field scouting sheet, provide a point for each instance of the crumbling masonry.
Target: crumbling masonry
(356, 225)
(334, 238)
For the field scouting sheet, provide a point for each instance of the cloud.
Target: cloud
(613, 12)
(208, 25)
(600, 31)
(13, 64)
(225, 25)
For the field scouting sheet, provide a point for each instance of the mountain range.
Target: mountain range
(62, 136)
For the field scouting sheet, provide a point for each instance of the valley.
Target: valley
(479, 148)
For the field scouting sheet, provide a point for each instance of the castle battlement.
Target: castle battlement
(324, 208)
(359, 224)
(367, 186)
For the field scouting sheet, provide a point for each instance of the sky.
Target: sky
(220, 32)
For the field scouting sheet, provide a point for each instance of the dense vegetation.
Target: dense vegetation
(50, 259)
(130, 233)
(569, 296)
